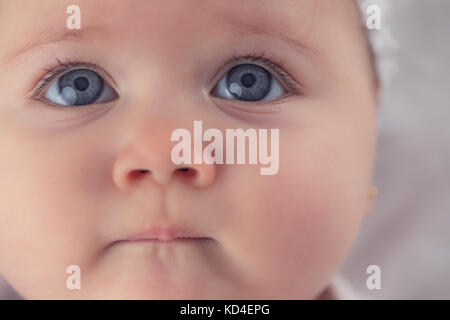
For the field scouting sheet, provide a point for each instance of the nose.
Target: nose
(148, 157)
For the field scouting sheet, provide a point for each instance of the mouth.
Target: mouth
(167, 234)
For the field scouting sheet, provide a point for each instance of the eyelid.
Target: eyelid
(62, 68)
(276, 69)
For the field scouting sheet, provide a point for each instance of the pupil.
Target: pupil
(81, 83)
(248, 80)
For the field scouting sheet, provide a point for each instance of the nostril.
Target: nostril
(187, 171)
(138, 173)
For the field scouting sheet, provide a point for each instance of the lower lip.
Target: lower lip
(174, 252)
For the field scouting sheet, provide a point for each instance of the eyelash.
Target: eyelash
(271, 64)
(62, 68)
(260, 59)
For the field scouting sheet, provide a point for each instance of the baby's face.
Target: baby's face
(72, 192)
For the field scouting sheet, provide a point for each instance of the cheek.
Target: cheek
(297, 226)
(44, 211)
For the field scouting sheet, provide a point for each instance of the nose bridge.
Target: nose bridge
(158, 101)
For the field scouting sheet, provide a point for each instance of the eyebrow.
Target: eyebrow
(299, 43)
(48, 37)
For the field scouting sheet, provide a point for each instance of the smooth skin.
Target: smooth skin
(71, 186)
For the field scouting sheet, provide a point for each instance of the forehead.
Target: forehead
(291, 16)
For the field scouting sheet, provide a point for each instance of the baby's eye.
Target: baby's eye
(248, 82)
(80, 87)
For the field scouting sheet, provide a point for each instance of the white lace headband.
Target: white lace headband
(382, 41)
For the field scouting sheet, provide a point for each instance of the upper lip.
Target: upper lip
(168, 233)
